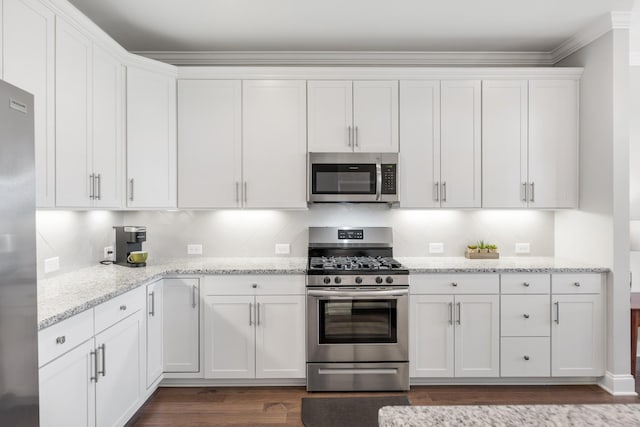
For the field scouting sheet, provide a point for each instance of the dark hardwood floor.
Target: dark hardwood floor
(280, 406)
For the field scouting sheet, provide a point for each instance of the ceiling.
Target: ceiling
(345, 25)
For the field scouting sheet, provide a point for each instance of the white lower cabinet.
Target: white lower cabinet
(254, 336)
(454, 335)
(154, 342)
(525, 357)
(181, 324)
(577, 338)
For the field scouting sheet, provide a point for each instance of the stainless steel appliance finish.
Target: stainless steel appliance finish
(357, 311)
(18, 303)
(353, 177)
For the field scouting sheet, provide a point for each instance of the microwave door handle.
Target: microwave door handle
(378, 181)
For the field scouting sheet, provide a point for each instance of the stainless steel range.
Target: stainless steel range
(357, 311)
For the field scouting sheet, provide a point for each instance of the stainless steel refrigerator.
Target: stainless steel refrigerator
(18, 299)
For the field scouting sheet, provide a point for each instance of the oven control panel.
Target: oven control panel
(355, 280)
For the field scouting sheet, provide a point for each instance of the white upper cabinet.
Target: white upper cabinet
(108, 103)
(330, 116)
(209, 143)
(274, 143)
(504, 143)
(347, 116)
(420, 134)
(553, 144)
(460, 147)
(74, 180)
(28, 60)
(151, 139)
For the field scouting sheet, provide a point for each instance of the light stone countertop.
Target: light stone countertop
(63, 296)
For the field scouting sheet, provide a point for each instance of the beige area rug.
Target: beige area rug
(610, 415)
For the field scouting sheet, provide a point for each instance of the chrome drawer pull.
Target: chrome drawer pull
(454, 284)
(526, 357)
(576, 284)
(123, 307)
(526, 284)
(526, 316)
(61, 340)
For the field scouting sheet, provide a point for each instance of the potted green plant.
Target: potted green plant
(492, 248)
(472, 249)
(482, 247)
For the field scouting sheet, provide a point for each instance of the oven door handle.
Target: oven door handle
(361, 294)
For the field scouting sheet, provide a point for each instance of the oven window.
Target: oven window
(344, 179)
(358, 321)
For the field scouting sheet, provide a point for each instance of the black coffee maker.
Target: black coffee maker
(129, 239)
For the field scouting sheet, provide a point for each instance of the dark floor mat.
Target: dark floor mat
(347, 411)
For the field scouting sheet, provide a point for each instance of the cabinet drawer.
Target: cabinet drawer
(118, 308)
(576, 283)
(276, 284)
(525, 283)
(525, 315)
(454, 284)
(525, 357)
(64, 336)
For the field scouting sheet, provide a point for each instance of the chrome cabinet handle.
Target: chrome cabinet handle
(523, 192)
(459, 313)
(350, 136)
(244, 193)
(250, 310)
(237, 192)
(378, 180)
(258, 314)
(98, 178)
(526, 316)
(103, 350)
(557, 304)
(526, 357)
(92, 186)
(533, 194)
(454, 284)
(451, 313)
(444, 191)
(152, 311)
(194, 300)
(94, 356)
(526, 284)
(576, 284)
(131, 189)
(254, 285)
(123, 307)
(356, 137)
(61, 340)
(436, 191)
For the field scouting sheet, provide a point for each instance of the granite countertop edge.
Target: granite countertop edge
(416, 265)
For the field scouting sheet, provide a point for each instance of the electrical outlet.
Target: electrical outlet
(194, 249)
(436, 248)
(283, 249)
(108, 252)
(523, 248)
(52, 264)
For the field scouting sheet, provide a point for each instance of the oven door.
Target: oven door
(357, 324)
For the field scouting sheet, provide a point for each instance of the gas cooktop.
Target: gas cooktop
(355, 265)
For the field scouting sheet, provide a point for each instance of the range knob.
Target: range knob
(358, 280)
(338, 280)
(378, 279)
(389, 279)
(327, 280)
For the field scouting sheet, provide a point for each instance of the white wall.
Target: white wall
(254, 233)
(77, 238)
(599, 231)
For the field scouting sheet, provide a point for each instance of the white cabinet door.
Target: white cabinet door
(280, 336)
(553, 143)
(431, 338)
(118, 389)
(274, 143)
(420, 139)
(504, 143)
(375, 116)
(181, 325)
(28, 60)
(460, 157)
(477, 336)
(330, 116)
(155, 362)
(73, 112)
(67, 391)
(151, 139)
(209, 143)
(229, 337)
(107, 129)
(577, 336)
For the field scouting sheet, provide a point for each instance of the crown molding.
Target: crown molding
(348, 58)
(595, 30)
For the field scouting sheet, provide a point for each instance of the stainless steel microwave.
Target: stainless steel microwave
(353, 177)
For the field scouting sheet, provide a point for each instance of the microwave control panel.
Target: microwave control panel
(389, 179)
